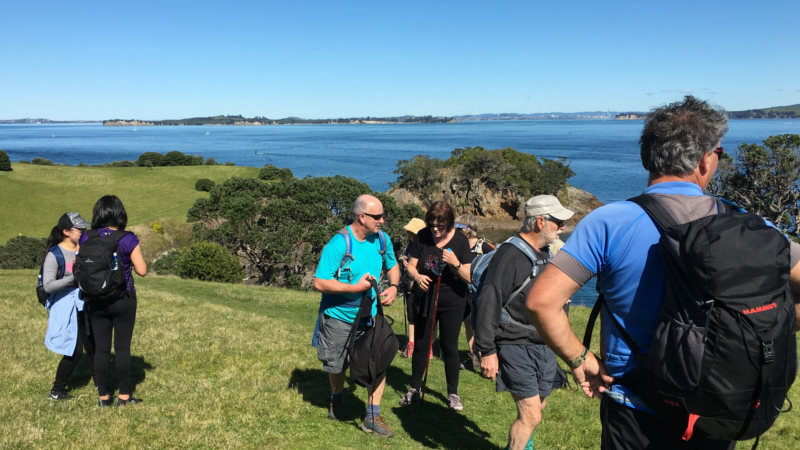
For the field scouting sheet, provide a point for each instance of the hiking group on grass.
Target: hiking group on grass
(699, 302)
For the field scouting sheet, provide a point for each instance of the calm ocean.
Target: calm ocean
(604, 154)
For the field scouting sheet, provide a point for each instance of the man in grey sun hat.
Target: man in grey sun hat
(512, 352)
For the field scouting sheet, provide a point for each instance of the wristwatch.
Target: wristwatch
(458, 267)
(577, 362)
(395, 285)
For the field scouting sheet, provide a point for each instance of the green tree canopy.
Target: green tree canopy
(5, 163)
(764, 179)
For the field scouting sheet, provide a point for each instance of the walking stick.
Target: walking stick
(439, 268)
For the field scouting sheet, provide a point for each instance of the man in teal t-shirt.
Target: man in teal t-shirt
(341, 295)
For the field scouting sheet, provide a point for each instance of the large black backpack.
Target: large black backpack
(723, 355)
(98, 273)
(372, 353)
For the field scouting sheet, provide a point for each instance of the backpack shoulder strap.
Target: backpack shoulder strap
(56, 251)
(537, 264)
(382, 239)
(348, 255)
(660, 216)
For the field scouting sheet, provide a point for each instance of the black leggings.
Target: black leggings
(449, 330)
(118, 317)
(68, 363)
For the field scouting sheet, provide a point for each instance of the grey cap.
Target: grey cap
(546, 205)
(77, 221)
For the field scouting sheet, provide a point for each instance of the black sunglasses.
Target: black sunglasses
(438, 226)
(559, 223)
(720, 152)
(374, 216)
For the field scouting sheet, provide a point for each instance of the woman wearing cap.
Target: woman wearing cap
(468, 224)
(119, 316)
(439, 263)
(412, 228)
(66, 324)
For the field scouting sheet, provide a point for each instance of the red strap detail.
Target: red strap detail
(690, 427)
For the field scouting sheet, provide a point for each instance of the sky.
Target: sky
(167, 59)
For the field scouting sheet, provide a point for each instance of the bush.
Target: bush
(22, 252)
(209, 261)
(150, 159)
(204, 185)
(5, 163)
(228, 163)
(270, 172)
(157, 227)
(42, 162)
(123, 163)
(169, 263)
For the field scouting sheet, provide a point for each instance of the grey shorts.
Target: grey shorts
(526, 370)
(332, 336)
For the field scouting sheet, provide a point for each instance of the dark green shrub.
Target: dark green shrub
(209, 261)
(270, 172)
(228, 163)
(5, 163)
(123, 163)
(150, 159)
(22, 252)
(204, 185)
(42, 162)
(169, 263)
(212, 162)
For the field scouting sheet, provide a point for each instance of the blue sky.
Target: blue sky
(172, 59)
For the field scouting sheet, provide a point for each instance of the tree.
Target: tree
(278, 227)
(5, 163)
(764, 179)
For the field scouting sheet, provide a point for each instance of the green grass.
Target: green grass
(231, 366)
(33, 197)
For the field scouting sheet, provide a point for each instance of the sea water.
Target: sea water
(604, 154)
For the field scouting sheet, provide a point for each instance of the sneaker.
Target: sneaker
(107, 402)
(377, 427)
(60, 395)
(454, 402)
(409, 351)
(130, 401)
(412, 396)
(336, 410)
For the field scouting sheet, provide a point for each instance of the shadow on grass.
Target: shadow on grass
(315, 388)
(82, 375)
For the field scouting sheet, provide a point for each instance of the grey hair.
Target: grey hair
(529, 223)
(677, 135)
(471, 221)
(360, 205)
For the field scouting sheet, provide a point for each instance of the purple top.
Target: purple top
(126, 246)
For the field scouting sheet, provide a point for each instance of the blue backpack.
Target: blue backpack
(477, 274)
(348, 255)
(41, 295)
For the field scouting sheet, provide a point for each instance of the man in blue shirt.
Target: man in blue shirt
(680, 148)
(342, 287)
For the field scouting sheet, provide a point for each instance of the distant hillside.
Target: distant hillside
(30, 121)
(776, 112)
(240, 120)
(539, 116)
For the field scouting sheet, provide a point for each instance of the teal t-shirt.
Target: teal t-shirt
(366, 259)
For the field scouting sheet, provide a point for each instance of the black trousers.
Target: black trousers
(68, 363)
(627, 428)
(117, 319)
(449, 329)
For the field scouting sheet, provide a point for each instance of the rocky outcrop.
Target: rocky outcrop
(498, 209)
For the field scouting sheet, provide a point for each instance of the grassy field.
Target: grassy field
(33, 197)
(226, 366)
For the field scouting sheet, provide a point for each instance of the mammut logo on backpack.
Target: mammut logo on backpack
(759, 309)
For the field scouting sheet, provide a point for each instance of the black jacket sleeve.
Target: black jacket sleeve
(507, 270)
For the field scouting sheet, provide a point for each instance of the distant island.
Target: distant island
(30, 121)
(255, 121)
(777, 112)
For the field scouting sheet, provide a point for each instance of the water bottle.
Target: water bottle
(39, 282)
(115, 263)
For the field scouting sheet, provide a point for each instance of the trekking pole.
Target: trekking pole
(439, 268)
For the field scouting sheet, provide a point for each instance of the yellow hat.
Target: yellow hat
(414, 225)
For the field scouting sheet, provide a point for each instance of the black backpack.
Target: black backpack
(372, 353)
(41, 295)
(98, 273)
(723, 355)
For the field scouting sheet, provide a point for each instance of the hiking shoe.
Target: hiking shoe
(336, 410)
(412, 396)
(60, 395)
(409, 351)
(454, 402)
(130, 401)
(377, 427)
(108, 402)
